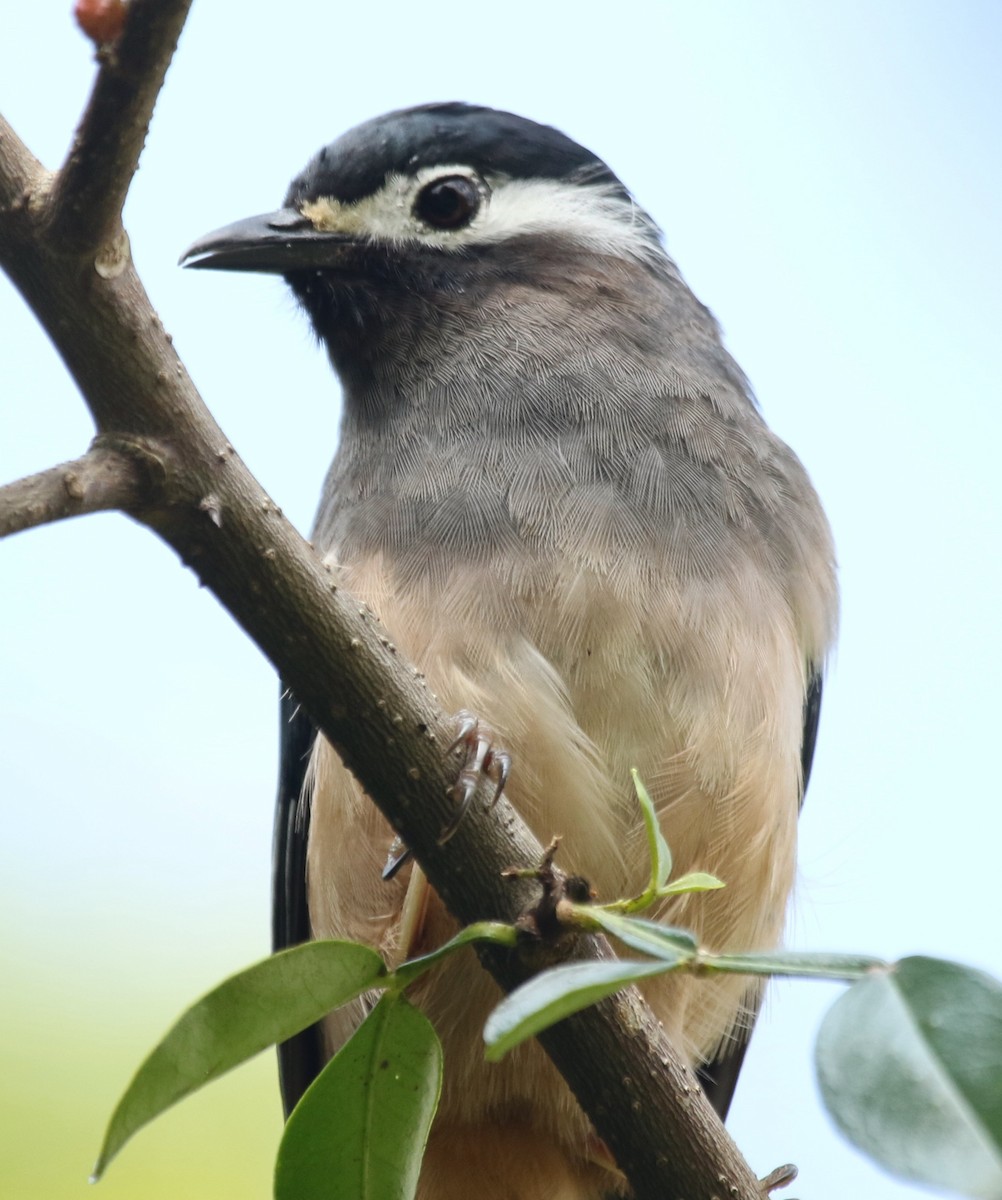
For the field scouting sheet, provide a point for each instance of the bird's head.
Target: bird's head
(438, 201)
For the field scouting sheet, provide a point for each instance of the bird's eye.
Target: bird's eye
(448, 203)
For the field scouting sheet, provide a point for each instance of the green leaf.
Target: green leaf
(695, 881)
(360, 1130)
(794, 963)
(481, 931)
(910, 1067)
(556, 994)
(267, 1003)
(672, 946)
(657, 847)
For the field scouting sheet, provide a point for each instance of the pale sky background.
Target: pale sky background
(829, 177)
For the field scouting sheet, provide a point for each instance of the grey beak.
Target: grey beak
(272, 242)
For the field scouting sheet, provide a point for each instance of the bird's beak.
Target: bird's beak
(276, 242)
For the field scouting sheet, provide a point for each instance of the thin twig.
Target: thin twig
(98, 481)
(90, 189)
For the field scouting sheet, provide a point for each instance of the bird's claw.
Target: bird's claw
(482, 758)
(396, 857)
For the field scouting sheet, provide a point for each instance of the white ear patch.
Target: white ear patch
(592, 214)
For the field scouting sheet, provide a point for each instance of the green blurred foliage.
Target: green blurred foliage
(64, 1061)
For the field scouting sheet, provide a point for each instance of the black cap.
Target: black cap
(428, 135)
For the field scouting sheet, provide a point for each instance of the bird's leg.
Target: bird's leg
(481, 758)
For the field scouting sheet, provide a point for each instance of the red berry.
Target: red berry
(101, 20)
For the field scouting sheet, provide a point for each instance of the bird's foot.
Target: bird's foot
(481, 758)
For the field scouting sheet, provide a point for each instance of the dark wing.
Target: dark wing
(301, 1057)
(812, 715)
(720, 1077)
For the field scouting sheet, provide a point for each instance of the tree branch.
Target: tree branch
(20, 171)
(194, 491)
(99, 480)
(90, 189)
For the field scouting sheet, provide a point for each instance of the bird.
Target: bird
(556, 489)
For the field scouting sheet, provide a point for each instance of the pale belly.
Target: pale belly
(578, 694)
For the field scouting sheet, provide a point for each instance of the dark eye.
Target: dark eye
(448, 203)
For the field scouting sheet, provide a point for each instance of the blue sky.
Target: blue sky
(830, 182)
